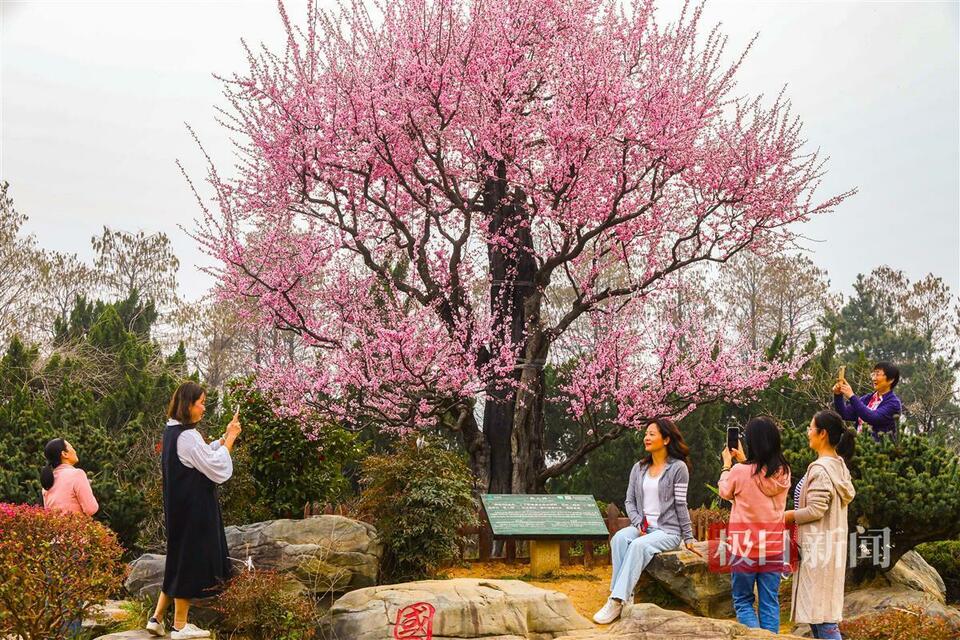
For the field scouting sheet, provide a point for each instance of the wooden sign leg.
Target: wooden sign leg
(544, 557)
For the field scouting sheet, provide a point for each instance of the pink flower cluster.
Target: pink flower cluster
(387, 159)
(648, 364)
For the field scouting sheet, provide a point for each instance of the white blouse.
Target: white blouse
(212, 460)
(651, 498)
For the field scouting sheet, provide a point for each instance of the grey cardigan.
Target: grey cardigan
(674, 517)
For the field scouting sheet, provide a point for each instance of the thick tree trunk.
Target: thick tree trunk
(477, 448)
(497, 428)
(526, 443)
(513, 433)
(513, 421)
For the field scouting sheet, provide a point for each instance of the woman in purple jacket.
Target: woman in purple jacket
(879, 409)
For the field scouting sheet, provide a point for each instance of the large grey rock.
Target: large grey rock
(687, 576)
(464, 608)
(914, 573)
(146, 575)
(105, 617)
(647, 621)
(326, 554)
(138, 634)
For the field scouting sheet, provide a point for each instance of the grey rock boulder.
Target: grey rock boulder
(914, 573)
(647, 621)
(687, 576)
(104, 617)
(138, 634)
(462, 608)
(325, 554)
(146, 575)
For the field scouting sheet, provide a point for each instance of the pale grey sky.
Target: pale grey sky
(94, 96)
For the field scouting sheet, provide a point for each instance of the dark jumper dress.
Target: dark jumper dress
(196, 564)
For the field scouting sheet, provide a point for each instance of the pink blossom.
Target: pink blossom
(358, 220)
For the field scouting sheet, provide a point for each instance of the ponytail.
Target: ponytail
(52, 452)
(841, 437)
(847, 444)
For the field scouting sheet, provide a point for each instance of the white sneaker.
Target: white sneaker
(155, 627)
(189, 631)
(609, 612)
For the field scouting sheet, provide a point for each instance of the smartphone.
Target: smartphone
(733, 437)
(842, 375)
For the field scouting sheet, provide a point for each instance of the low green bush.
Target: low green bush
(55, 567)
(278, 467)
(417, 497)
(944, 556)
(266, 605)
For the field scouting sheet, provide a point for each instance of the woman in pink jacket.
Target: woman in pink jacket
(758, 487)
(64, 486)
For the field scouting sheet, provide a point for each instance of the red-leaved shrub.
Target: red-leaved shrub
(908, 623)
(54, 568)
(266, 605)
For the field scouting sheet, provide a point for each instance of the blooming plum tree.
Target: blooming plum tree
(437, 196)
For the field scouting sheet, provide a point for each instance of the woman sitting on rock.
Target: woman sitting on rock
(65, 487)
(758, 488)
(821, 518)
(196, 563)
(656, 504)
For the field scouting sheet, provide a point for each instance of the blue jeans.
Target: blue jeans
(631, 553)
(768, 590)
(826, 630)
(73, 628)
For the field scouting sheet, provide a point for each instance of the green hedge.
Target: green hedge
(944, 556)
(417, 496)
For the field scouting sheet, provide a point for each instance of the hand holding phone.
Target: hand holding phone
(233, 429)
(733, 438)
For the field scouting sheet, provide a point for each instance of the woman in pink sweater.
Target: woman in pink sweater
(64, 486)
(758, 487)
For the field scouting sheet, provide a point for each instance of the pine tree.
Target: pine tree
(104, 388)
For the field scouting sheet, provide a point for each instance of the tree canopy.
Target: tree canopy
(440, 198)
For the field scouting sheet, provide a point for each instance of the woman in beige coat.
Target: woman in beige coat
(821, 518)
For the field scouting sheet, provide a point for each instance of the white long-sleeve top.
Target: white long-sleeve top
(651, 498)
(212, 460)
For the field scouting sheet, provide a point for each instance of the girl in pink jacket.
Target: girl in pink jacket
(758, 487)
(64, 486)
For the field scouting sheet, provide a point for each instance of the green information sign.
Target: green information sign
(543, 517)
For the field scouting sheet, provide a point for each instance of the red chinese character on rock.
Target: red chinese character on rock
(415, 621)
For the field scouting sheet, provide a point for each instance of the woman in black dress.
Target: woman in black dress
(196, 562)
